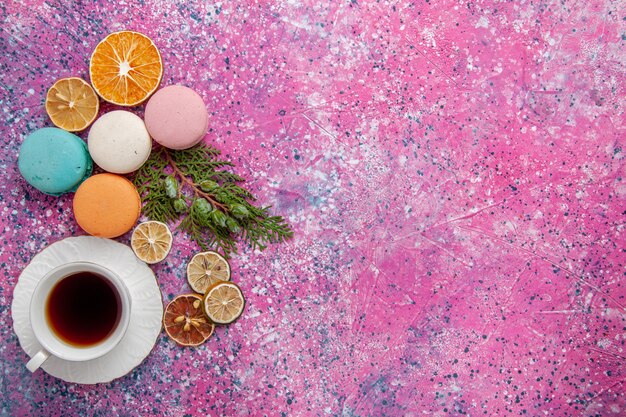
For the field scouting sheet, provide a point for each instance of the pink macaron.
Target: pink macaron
(176, 117)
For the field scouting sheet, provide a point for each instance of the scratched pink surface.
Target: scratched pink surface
(453, 171)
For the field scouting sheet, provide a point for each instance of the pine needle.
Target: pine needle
(213, 207)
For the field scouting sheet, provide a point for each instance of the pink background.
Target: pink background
(454, 174)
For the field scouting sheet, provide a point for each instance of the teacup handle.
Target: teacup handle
(36, 361)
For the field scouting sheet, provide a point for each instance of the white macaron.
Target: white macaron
(119, 142)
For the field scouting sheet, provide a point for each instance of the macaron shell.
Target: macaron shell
(119, 142)
(107, 205)
(176, 117)
(54, 161)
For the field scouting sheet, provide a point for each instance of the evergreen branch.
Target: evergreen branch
(160, 210)
(264, 230)
(150, 172)
(202, 164)
(226, 176)
(195, 232)
(239, 191)
(192, 185)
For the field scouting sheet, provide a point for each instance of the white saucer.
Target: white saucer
(145, 318)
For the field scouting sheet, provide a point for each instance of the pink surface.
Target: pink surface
(454, 175)
(176, 117)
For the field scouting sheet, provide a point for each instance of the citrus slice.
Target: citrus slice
(206, 268)
(126, 68)
(72, 104)
(185, 322)
(151, 241)
(223, 302)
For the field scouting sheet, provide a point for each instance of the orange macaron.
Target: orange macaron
(107, 205)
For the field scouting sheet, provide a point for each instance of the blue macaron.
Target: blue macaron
(54, 161)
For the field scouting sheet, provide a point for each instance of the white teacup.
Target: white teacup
(52, 343)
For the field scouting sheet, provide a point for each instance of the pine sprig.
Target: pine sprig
(150, 171)
(193, 186)
(265, 230)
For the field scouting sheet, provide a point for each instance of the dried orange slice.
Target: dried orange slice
(185, 322)
(151, 241)
(223, 302)
(126, 68)
(72, 104)
(206, 268)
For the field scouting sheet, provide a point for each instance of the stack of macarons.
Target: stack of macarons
(56, 162)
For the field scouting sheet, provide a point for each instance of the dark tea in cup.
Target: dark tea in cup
(79, 311)
(83, 309)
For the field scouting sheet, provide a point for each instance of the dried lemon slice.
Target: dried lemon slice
(223, 302)
(206, 268)
(151, 241)
(184, 321)
(72, 104)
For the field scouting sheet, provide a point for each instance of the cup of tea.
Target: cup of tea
(79, 311)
